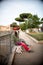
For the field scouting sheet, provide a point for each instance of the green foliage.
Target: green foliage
(35, 18)
(23, 26)
(13, 24)
(31, 21)
(30, 16)
(41, 19)
(19, 19)
(24, 15)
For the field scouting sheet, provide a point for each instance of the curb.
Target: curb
(36, 41)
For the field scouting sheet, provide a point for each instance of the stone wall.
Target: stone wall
(6, 44)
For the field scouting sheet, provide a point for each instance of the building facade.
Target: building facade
(5, 28)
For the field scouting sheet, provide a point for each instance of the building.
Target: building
(5, 28)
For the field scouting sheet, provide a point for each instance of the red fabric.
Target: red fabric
(25, 46)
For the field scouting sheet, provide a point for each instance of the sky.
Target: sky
(10, 9)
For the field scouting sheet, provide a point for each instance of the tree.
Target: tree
(35, 21)
(19, 19)
(24, 15)
(23, 26)
(42, 24)
(31, 21)
(35, 18)
(41, 19)
(14, 24)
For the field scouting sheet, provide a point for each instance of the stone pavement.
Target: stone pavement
(29, 58)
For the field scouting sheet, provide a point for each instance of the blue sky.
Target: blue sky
(10, 9)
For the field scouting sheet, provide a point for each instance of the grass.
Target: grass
(38, 36)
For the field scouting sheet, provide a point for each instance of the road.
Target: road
(29, 58)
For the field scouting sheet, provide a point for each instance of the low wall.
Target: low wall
(2, 33)
(12, 56)
(6, 44)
